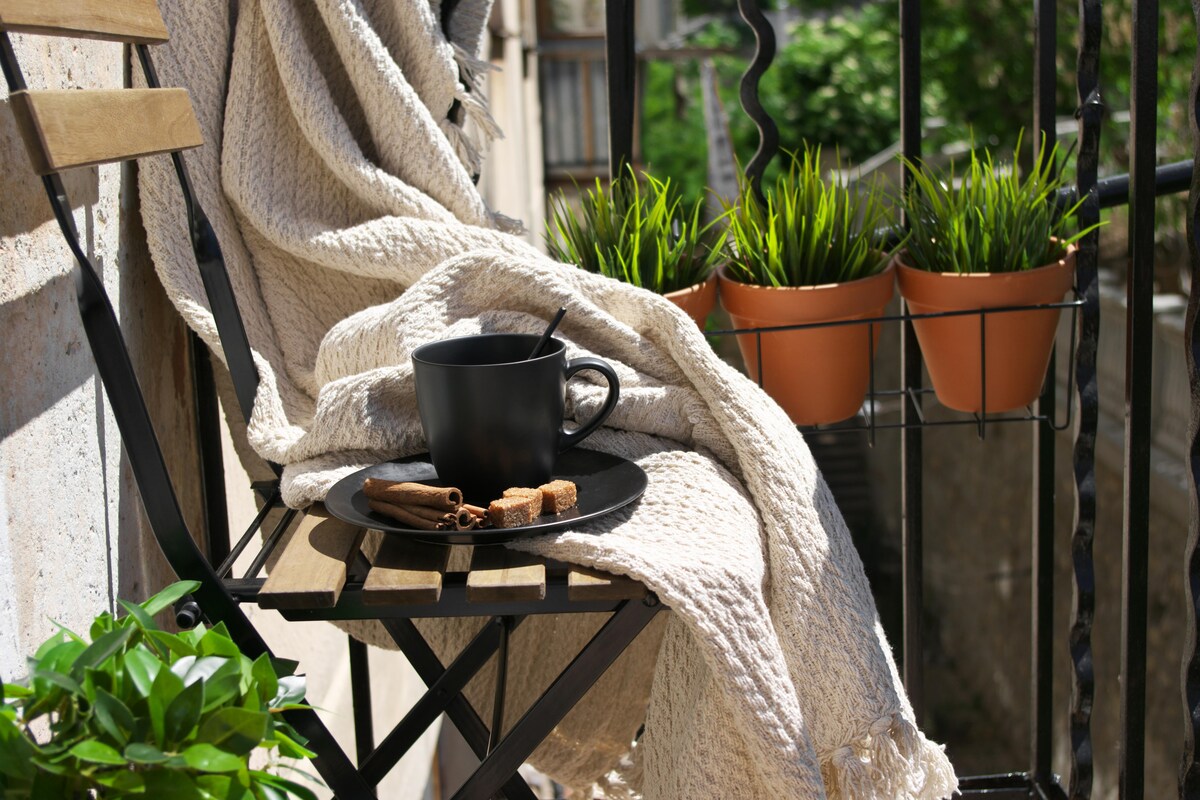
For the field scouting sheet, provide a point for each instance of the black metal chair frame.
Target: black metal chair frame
(220, 595)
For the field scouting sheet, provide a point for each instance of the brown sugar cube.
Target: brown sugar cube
(557, 496)
(535, 499)
(511, 512)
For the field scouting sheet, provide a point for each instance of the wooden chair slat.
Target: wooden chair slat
(403, 572)
(312, 568)
(64, 129)
(133, 21)
(588, 584)
(501, 575)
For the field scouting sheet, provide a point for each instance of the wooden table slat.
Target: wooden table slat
(585, 584)
(402, 571)
(313, 564)
(502, 575)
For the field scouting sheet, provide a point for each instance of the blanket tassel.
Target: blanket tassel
(894, 761)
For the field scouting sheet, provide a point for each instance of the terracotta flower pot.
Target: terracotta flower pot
(817, 375)
(697, 300)
(1018, 342)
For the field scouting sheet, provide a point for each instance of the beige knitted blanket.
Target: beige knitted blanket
(353, 233)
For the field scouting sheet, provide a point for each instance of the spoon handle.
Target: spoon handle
(541, 344)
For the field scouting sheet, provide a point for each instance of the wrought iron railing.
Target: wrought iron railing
(1145, 181)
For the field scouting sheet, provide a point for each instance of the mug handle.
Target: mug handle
(568, 440)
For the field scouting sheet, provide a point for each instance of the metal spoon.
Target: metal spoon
(537, 349)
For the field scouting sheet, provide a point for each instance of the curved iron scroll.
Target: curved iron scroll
(1189, 774)
(1090, 113)
(764, 54)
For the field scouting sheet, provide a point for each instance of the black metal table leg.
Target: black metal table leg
(579, 676)
(436, 700)
(360, 700)
(460, 712)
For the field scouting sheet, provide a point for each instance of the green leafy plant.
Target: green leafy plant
(807, 231)
(637, 231)
(141, 712)
(989, 218)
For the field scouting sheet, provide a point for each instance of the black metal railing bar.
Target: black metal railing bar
(764, 54)
(1087, 402)
(1041, 631)
(911, 474)
(1189, 770)
(1139, 343)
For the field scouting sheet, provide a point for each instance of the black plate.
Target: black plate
(603, 484)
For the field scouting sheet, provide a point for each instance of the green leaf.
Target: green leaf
(144, 620)
(216, 642)
(141, 667)
(291, 788)
(236, 730)
(97, 753)
(166, 687)
(171, 643)
(101, 625)
(264, 675)
(59, 656)
(202, 669)
(224, 685)
(58, 679)
(142, 753)
(183, 714)
(96, 678)
(16, 751)
(223, 787)
(291, 690)
(122, 782)
(172, 784)
(100, 650)
(291, 748)
(206, 758)
(113, 716)
(167, 597)
(14, 691)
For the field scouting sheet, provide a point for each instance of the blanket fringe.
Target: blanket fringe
(472, 69)
(893, 762)
(469, 146)
(624, 782)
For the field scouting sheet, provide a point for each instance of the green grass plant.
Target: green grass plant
(637, 231)
(808, 231)
(988, 218)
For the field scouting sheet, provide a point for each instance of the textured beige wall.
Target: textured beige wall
(72, 531)
(59, 453)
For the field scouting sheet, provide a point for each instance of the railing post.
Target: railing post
(1189, 772)
(621, 72)
(1139, 332)
(910, 367)
(1090, 112)
(764, 54)
(1042, 599)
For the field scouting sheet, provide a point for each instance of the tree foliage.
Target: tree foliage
(835, 82)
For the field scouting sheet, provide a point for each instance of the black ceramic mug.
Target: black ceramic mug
(493, 418)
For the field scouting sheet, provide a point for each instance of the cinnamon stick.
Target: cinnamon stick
(412, 494)
(480, 514)
(400, 514)
(425, 512)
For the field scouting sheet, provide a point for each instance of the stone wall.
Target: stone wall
(69, 537)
